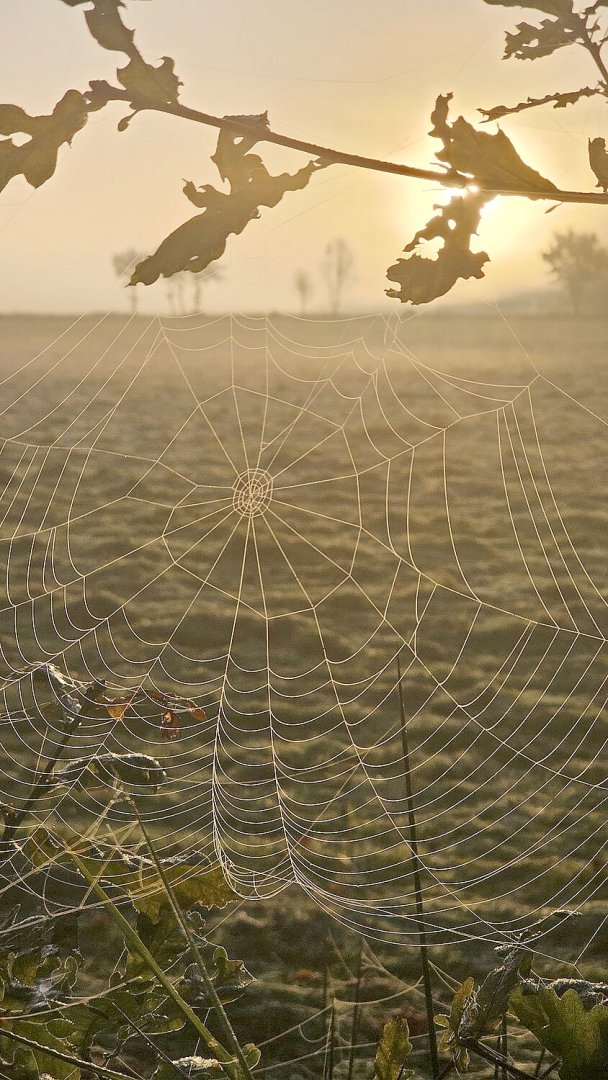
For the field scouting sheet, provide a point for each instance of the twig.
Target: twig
(413, 843)
(227, 1062)
(354, 1025)
(39, 785)
(331, 156)
(493, 1058)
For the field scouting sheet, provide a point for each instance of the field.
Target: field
(264, 515)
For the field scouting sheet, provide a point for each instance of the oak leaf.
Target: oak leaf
(36, 159)
(202, 239)
(490, 159)
(422, 279)
(529, 42)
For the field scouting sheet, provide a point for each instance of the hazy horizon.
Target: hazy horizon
(372, 95)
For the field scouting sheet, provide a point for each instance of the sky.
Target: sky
(351, 74)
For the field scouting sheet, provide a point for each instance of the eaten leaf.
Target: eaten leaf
(202, 239)
(559, 100)
(421, 280)
(490, 160)
(529, 42)
(36, 159)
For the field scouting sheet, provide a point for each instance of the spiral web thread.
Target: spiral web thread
(263, 514)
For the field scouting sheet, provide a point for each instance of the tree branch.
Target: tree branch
(451, 179)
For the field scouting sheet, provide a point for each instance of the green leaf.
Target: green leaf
(36, 159)
(393, 1048)
(33, 1062)
(202, 239)
(576, 1035)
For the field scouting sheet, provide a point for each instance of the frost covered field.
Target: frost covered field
(267, 513)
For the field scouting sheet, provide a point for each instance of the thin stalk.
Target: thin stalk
(413, 844)
(86, 1066)
(493, 1058)
(332, 156)
(229, 1032)
(225, 1059)
(539, 1063)
(328, 1071)
(157, 1049)
(39, 785)
(355, 1023)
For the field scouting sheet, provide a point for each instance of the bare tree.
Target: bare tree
(303, 286)
(337, 271)
(124, 262)
(579, 262)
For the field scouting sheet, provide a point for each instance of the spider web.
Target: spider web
(268, 515)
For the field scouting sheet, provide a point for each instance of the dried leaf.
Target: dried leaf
(491, 160)
(113, 770)
(36, 159)
(598, 159)
(551, 7)
(485, 1009)
(202, 239)
(147, 83)
(421, 279)
(170, 727)
(144, 82)
(533, 42)
(559, 100)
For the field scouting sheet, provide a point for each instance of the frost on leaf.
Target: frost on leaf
(393, 1049)
(598, 159)
(420, 279)
(202, 239)
(36, 159)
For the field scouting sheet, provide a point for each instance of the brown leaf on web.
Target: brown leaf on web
(559, 100)
(170, 727)
(36, 159)
(202, 239)
(598, 159)
(421, 279)
(196, 712)
(490, 160)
